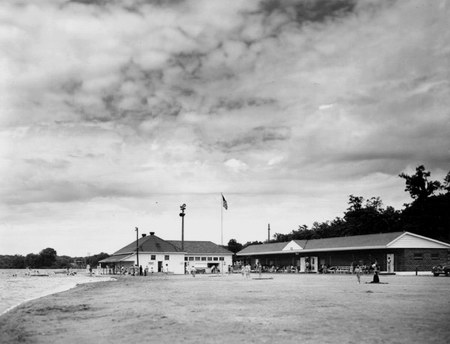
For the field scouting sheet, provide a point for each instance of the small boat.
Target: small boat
(36, 273)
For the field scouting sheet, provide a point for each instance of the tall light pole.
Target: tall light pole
(137, 246)
(183, 208)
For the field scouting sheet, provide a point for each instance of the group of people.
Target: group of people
(245, 271)
(357, 270)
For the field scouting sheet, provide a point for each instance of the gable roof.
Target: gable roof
(149, 243)
(275, 247)
(356, 242)
(200, 247)
(368, 241)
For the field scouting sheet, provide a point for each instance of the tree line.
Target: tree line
(48, 258)
(428, 214)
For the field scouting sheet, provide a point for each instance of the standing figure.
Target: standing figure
(358, 273)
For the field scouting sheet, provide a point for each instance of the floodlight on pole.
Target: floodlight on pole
(137, 246)
(182, 214)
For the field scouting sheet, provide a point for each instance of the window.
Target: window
(166, 257)
(210, 258)
(197, 258)
(220, 258)
(435, 256)
(203, 259)
(185, 258)
(215, 258)
(418, 256)
(191, 258)
(153, 257)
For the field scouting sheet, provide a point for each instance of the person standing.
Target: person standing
(358, 273)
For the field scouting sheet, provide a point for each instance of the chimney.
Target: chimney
(144, 235)
(268, 233)
(152, 233)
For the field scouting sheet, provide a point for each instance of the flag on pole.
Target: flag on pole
(224, 203)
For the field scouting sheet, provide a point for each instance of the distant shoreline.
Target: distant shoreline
(74, 282)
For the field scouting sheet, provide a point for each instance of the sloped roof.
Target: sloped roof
(149, 243)
(116, 258)
(263, 248)
(356, 242)
(200, 247)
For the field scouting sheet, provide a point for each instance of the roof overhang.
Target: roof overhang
(315, 250)
(117, 258)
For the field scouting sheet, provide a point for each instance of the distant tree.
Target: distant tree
(32, 260)
(446, 184)
(63, 262)
(47, 257)
(418, 185)
(355, 203)
(12, 262)
(249, 243)
(93, 260)
(18, 262)
(234, 246)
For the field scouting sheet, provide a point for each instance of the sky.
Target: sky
(115, 113)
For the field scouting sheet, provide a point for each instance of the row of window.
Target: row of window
(204, 259)
(419, 256)
(153, 257)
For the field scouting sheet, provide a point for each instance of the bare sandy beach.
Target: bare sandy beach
(288, 308)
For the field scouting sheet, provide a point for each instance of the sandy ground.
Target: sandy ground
(289, 308)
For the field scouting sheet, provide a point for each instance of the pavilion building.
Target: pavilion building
(158, 255)
(397, 252)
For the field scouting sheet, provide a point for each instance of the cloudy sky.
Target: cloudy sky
(114, 113)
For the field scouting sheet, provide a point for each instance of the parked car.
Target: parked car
(441, 270)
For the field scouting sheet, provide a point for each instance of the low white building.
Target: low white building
(205, 256)
(157, 255)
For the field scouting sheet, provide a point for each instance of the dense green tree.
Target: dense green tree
(47, 257)
(32, 260)
(93, 260)
(12, 262)
(446, 184)
(248, 243)
(418, 185)
(234, 246)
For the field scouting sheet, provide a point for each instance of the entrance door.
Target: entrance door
(314, 264)
(160, 266)
(302, 264)
(390, 262)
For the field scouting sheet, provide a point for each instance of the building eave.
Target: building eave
(315, 250)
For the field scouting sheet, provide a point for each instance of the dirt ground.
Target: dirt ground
(289, 308)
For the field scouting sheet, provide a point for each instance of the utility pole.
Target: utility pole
(183, 208)
(137, 247)
(268, 234)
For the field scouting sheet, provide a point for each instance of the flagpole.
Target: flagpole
(221, 220)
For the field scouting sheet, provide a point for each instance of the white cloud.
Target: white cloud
(236, 165)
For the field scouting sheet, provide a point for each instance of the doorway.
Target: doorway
(390, 262)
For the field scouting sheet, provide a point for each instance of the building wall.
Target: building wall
(207, 261)
(424, 259)
(158, 262)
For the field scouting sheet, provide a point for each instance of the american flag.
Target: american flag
(224, 203)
